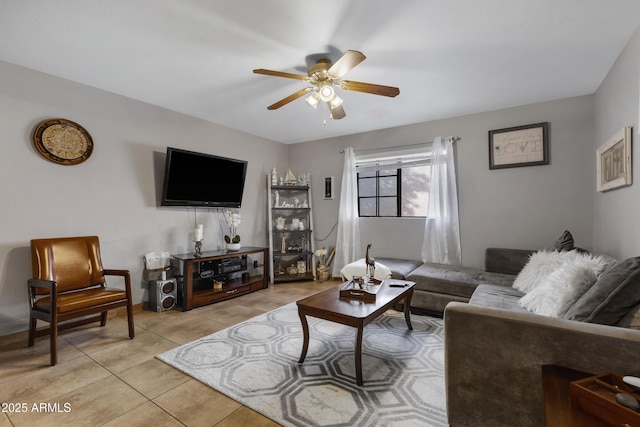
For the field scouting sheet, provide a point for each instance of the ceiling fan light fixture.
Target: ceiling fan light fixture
(335, 102)
(326, 93)
(313, 99)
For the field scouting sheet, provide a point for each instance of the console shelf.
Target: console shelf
(290, 244)
(220, 275)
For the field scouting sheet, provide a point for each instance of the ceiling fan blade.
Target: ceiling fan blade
(350, 59)
(337, 113)
(288, 99)
(389, 91)
(281, 74)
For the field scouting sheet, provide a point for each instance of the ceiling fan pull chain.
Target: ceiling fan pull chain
(324, 114)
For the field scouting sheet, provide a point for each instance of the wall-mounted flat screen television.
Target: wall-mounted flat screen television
(198, 179)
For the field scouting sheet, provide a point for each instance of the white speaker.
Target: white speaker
(163, 294)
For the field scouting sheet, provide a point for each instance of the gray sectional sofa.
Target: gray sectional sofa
(495, 349)
(439, 284)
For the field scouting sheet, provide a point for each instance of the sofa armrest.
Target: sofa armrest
(506, 261)
(494, 358)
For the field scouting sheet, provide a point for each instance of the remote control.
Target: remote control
(633, 382)
(397, 285)
(628, 401)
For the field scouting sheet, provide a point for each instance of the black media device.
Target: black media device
(210, 268)
(198, 179)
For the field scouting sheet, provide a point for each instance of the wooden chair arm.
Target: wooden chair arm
(44, 284)
(122, 273)
(39, 283)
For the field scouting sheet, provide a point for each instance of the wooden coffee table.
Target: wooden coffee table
(328, 305)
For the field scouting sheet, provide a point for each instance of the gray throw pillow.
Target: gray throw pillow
(564, 243)
(615, 293)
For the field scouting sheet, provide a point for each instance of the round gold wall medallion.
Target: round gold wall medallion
(62, 141)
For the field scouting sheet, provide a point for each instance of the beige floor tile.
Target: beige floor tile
(203, 407)
(93, 337)
(91, 405)
(189, 329)
(120, 356)
(247, 417)
(153, 377)
(4, 420)
(149, 319)
(53, 381)
(16, 359)
(146, 415)
(108, 378)
(231, 315)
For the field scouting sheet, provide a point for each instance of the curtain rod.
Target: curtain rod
(452, 138)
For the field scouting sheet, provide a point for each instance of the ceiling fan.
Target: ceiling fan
(323, 76)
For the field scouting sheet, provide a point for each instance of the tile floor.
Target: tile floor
(104, 378)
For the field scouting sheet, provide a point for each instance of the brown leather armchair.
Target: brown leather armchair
(69, 282)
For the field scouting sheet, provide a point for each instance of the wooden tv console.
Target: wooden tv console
(219, 275)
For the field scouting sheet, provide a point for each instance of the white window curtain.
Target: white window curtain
(441, 242)
(348, 239)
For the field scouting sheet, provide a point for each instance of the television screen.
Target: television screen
(197, 179)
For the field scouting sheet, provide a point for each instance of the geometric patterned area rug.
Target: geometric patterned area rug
(256, 364)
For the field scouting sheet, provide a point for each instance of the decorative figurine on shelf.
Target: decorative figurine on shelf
(302, 266)
(296, 202)
(283, 249)
(305, 204)
(274, 176)
(277, 199)
(290, 178)
(304, 179)
(280, 223)
(281, 181)
(371, 264)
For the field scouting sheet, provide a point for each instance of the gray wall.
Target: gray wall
(616, 212)
(527, 207)
(113, 194)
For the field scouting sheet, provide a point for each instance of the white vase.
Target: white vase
(233, 246)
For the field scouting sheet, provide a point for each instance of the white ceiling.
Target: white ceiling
(448, 57)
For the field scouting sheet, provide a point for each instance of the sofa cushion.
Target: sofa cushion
(506, 261)
(564, 242)
(400, 268)
(541, 264)
(612, 296)
(562, 287)
(454, 279)
(497, 297)
(445, 279)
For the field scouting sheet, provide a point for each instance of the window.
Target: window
(394, 183)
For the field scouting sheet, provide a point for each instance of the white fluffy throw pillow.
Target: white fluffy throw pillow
(561, 288)
(539, 266)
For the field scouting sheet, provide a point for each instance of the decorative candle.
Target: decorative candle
(197, 235)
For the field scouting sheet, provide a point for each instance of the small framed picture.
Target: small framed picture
(328, 187)
(613, 161)
(519, 146)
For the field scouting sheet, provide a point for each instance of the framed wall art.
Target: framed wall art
(613, 161)
(519, 146)
(328, 187)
